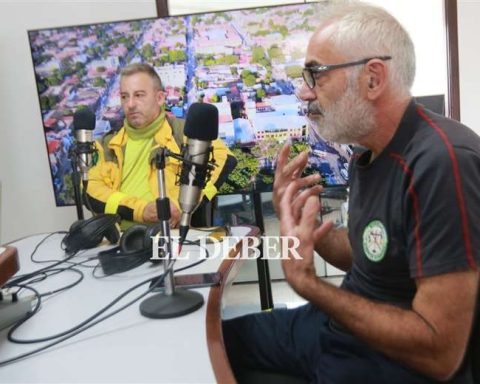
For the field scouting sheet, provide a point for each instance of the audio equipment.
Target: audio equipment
(86, 234)
(84, 121)
(134, 249)
(201, 127)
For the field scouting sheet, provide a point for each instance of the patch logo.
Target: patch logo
(375, 241)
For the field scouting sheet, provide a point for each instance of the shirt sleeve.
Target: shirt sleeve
(442, 205)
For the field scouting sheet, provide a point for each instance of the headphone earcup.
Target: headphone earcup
(69, 241)
(81, 235)
(152, 231)
(112, 234)
(133, 239)
(134, 249)
(76, 225)
(85, 234)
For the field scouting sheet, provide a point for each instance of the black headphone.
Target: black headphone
(134, 249)
(85, 234)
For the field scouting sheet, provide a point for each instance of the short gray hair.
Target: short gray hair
(132, 69)
(362, 30)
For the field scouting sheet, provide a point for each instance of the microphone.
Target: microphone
(83, 125)
(201, 127)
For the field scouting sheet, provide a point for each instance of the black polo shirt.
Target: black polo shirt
(415, 210)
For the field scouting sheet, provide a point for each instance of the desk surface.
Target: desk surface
(126, 348)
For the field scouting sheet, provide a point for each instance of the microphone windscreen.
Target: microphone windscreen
(84, 118)
(202, 122)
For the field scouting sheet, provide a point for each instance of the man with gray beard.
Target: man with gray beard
(407, 308)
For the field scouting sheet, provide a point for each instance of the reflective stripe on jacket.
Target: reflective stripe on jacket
(104, 179)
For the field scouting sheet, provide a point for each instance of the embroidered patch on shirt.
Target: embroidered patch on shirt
(375, 241)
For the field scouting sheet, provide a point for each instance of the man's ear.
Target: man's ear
(160, 97)
(376, 78)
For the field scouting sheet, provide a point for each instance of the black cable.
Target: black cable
(41, 277)
(28, 276)
(24, 355)
(83, 323)
(87, 323)
(40, 243)
(97, 276)
(71, 285)
(56, 271)
(81, 263)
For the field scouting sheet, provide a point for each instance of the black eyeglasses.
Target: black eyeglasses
(308, 73)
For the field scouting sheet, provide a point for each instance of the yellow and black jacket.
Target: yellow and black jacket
(104, 179)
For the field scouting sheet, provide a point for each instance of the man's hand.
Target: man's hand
(286, 172)
(298, 213)
(150, 214)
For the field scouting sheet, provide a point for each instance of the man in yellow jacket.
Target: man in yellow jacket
(124, 180)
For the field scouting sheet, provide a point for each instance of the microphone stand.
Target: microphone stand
(77, 192)
(172, 302)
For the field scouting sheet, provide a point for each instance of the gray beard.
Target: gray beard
(346, 121)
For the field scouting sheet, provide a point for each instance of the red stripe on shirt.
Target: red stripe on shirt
(416, 212)
(458, 187)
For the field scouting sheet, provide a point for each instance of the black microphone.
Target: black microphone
(83, 125)
(201, 127)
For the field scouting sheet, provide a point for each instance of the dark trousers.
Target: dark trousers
(302, 342)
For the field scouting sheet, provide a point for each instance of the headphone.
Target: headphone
(85, 234)
(134, 249)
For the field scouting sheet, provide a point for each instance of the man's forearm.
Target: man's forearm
(426, 341)
(335, 249)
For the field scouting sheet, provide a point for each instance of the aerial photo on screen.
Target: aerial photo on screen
(247, 63)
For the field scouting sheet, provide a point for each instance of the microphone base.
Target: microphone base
(180, 303)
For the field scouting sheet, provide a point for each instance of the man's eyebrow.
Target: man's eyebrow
(312, 63)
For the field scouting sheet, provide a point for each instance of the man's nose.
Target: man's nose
(130, 103)
(305, 93)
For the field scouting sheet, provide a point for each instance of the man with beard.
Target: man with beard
(407, 306)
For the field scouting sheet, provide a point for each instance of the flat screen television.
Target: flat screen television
(246, 62)
(435, 103)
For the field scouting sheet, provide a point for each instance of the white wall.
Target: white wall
(469, 52)
(27, 200)
(28, 204)
(424, 21)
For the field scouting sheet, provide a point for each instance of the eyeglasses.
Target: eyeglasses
(309, 73)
